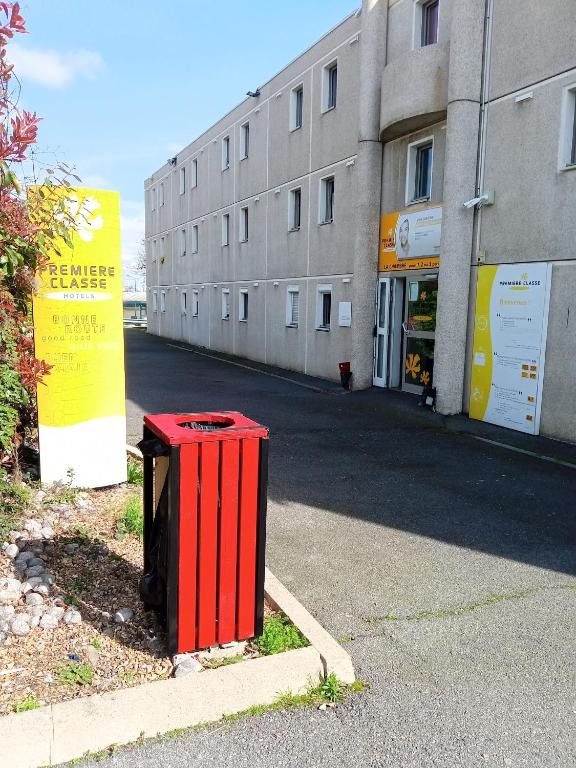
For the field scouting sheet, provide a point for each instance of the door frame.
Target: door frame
(407, 333)
(382, 330)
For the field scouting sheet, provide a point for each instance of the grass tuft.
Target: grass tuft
(76, 673)
(135, 472)
(27, 704)
(279, 635)
(132, 519)
(13, 501)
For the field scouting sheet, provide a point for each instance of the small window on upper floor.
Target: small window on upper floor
(194, 246)
(426, 18)
(296, 107)
(419, 171)
(329, 86)
(225, 229)
(183, 180)
(153, 199)
(243, 235)
(327, 200)
(154, 251)
(294, 209)
(162, 194)
(182, 242)
(195, 303)
(226, 153)
(194, 173)
(568, 134)
(244, 141)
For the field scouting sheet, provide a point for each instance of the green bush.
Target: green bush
(279, 635)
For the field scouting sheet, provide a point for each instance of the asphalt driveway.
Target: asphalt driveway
(447, 564)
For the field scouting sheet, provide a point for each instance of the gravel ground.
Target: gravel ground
(101, 576)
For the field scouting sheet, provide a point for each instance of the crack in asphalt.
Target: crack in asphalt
(468, 607)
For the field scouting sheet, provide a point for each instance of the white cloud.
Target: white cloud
(54, 69)
(132, 232)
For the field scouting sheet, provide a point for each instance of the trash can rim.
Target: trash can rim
(175, 429)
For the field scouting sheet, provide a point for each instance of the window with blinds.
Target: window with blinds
(292, 307)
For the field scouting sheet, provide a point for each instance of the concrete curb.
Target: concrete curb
(334, 657)
(62, 732)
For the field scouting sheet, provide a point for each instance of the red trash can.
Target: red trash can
(205, 494)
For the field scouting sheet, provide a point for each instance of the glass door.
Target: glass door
(381, 333)
(419, 332)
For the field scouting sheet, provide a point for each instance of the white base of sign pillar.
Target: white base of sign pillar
(91, 453)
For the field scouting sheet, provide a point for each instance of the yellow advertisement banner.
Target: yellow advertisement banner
(78, 330)
(508, 355)
(410, 239)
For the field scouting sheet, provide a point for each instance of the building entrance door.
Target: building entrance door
(419, 328)
(382, 332)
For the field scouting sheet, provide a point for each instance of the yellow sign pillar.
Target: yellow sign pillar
(78, 330)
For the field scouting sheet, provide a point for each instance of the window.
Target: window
(245, 140)
(243, 306)
(195, 303)
(154, 251)
(162, 251)
(195, 238)
(226, 153)
(162, 301)
(243, 225)
(155, 301)
(294, 209)
(182, 180)
(296, 107)
(225, 229)
(329, 86)
(292, 306)
(161, 195)
(419, 171)
(323, 307)
(327, 200)
(153, 196)
(429, 23)
(183, 302)
(183, 242)
(194, 174)
(568, 137)
(225, 304)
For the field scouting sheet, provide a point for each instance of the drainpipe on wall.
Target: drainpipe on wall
(368, 191)
(463, 131)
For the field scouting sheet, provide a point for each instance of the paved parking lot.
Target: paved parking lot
(447, 564)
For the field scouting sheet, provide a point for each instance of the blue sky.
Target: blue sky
(124, 84)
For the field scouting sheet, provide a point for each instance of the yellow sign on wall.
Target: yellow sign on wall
(410, 239)
(78, 330)
(508, 357)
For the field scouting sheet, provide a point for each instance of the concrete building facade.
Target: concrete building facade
(322, 220)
